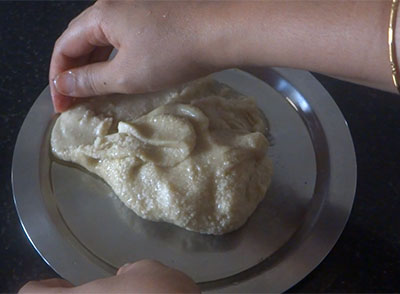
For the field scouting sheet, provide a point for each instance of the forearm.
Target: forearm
(346, 39)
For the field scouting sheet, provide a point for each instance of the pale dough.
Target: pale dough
(195, 156)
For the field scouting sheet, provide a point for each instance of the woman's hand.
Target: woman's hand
(162, 43)
(144, 276)
(159, 44)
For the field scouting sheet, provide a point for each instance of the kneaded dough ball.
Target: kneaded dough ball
(195, 156)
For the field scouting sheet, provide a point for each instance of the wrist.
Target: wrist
(217, 39)
(236, 34)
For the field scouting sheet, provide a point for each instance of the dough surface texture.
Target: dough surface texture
(194, 156)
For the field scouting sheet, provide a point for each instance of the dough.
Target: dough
(195, 156)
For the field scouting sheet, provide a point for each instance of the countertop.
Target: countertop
(365, 259)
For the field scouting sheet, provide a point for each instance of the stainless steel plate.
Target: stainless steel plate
(84, 232)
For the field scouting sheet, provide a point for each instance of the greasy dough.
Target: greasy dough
(195, 156)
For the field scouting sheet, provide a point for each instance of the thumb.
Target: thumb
(89, 80)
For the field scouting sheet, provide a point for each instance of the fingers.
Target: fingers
(60, 102)
(142, 265)
(100, 54)
(83, 42)
(89, 80)
(153, 277)
(45, 286)
(63, 102)
(124, 269)
(80, 39)
(145, 276)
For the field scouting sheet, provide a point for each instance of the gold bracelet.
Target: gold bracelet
(392, 46)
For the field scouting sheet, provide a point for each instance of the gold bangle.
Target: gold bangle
(392, 46)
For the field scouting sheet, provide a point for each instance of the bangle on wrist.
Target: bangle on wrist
(392, 44)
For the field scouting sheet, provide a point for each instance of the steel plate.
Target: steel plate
(84, 232)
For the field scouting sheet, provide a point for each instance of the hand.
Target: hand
(144, 276)
(162, 43)
(159, 44)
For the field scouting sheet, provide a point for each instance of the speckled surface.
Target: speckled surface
(367, 255)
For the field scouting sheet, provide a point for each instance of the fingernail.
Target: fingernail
(65, 83)
(126, 264)
(123, 268)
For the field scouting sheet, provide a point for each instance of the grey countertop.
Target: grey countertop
(367, 255)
